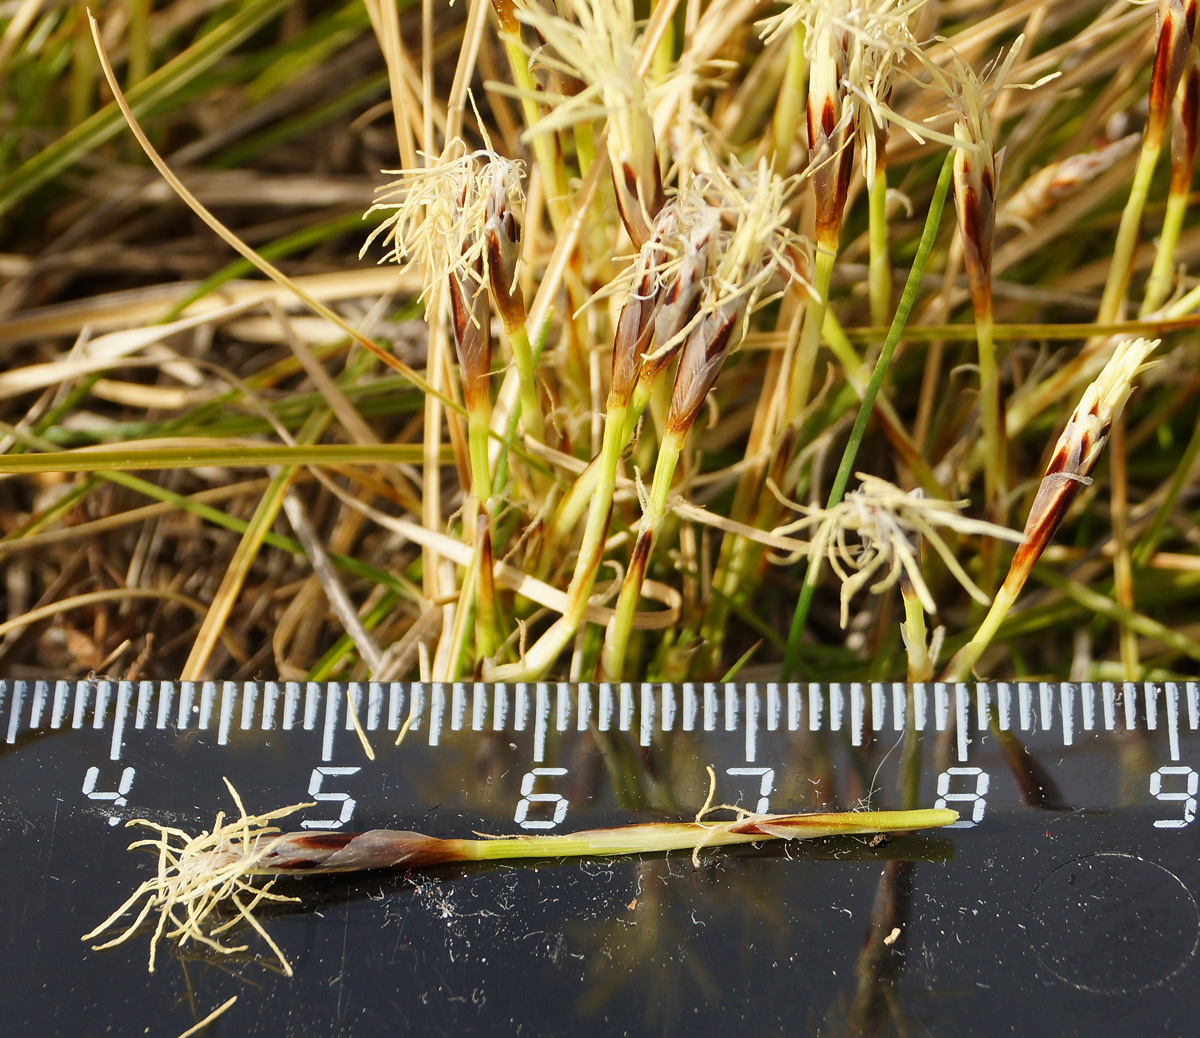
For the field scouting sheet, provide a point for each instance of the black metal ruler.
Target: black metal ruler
(1063, 902)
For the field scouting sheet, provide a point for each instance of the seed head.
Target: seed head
(976, 176)
(976, 161)
(976, 170)
(471, 323)
(636, 322)
(831, 120)
(700, 363)
(886, 523)
(853, 48)
(883, 40)
(761, 247)
(661, 292)
(698, 229)
(502, 237)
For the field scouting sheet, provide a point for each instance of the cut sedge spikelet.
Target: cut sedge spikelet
(205, 885)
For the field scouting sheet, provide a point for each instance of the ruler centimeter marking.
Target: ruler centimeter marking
(639, 709)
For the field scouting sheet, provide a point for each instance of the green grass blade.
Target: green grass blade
(907, 300)
(150, 92)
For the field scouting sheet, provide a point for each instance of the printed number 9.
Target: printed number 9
(1188, 797)
(528, 797)
(977, 799)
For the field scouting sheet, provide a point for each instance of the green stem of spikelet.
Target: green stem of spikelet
(805, 359)
(616, 640)
(542, 654)
(659, 837)
(1121, 269)
(544, 151)
(879, 269)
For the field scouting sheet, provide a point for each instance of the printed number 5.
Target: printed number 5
(320, 795)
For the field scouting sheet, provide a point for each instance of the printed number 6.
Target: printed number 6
(528, 797)
(1188, 797)
(977, 799)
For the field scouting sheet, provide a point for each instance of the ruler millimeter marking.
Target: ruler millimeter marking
(641, 710)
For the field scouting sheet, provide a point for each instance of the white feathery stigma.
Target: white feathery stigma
(874, 529)
(437, 213)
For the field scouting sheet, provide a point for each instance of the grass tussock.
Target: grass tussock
(646, 283)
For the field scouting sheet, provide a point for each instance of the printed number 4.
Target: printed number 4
(116, 797)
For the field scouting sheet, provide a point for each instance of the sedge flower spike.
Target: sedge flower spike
(438, 214)
(470, 320)
(662, 293)
(882, 39)
(597, 42)
(882, 43)
(1074, 456)
(698, 233)
(1185, 134)
(976, 164)
(1176, 30)
(831, 123)
(635, 325)
(1058, 181)
(760, 249)
(502, 238)
(852, 48)
(1078, 448)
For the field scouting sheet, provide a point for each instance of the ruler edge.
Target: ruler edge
(430, 710)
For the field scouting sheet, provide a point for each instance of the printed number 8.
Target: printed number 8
(1188, 797)
(977, 800)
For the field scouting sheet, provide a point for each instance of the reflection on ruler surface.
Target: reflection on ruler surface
(429, 711)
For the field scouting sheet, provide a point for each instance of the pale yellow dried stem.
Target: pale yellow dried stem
(385, 20)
